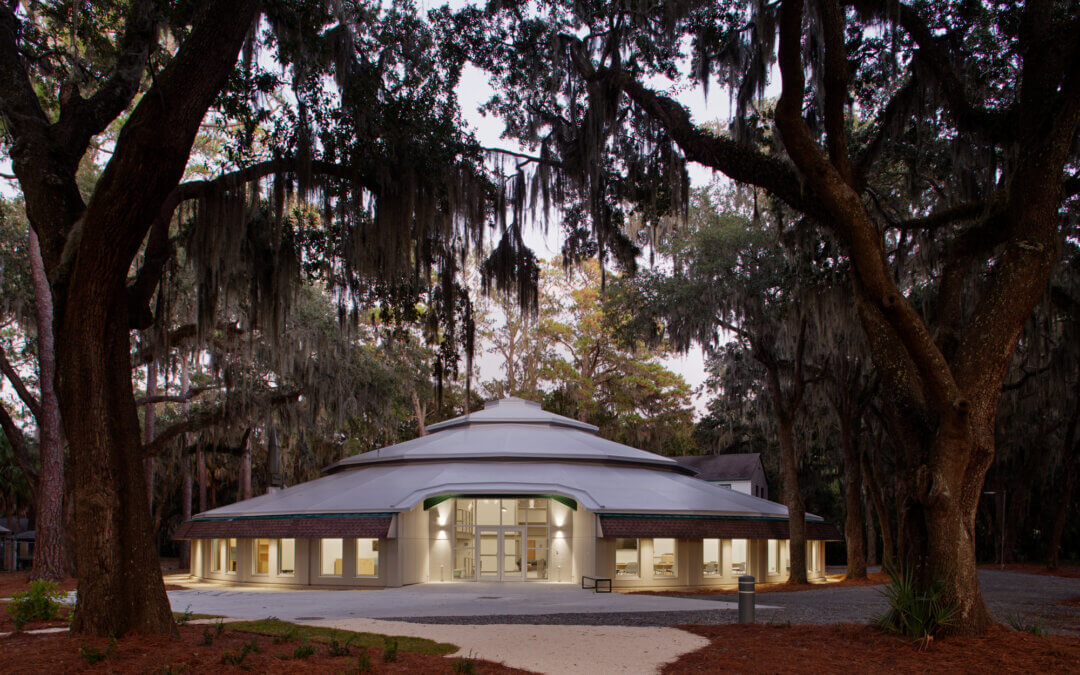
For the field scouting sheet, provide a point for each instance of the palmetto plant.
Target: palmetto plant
(914, 611)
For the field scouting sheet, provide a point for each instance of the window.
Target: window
(663, 558)
(262, 556)
(627, 560)
(738, 557)
(286, 549)
(367, 557)
(330, 556)
(774, 556)
(711, 563)
(232, 557)
(217, 555)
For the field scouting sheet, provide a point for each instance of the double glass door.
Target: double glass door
(499, 553)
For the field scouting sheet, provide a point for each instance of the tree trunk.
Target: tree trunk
(1061, 512)
(877, 499)
(185, 465)
(853, 513)
(148, 425)
(245, 472)
(793, 499)
(1069, 469)
(871, 534)
(120, 584)
(49, 552)
(938, 513)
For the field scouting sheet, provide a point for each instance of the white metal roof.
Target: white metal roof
(511, 447)
(511, 428)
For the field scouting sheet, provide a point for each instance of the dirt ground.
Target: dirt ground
(764, 648)
(835, 581)
(63, 653)
(15, 582)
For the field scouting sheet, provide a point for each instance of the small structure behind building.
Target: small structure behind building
(742, 472)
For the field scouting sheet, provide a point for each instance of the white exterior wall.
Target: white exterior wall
(412, 546)
(567, 543)
(440, 537)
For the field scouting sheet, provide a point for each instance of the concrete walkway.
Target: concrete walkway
(427, 600)
(540, 648)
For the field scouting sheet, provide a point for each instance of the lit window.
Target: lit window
(286, 557)
(664, 558)
(232, 557)
(774, 556)
(711, 562)
(627, 561)
(330, 557)
(262, 556)
(738, 557)
(367, 557)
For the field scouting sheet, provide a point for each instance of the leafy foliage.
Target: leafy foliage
(40, 603)
(916, 610)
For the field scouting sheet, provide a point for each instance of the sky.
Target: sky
(474, 90)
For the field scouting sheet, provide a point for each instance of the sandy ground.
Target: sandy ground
(549, 649)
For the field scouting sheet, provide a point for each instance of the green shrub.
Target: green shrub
(219, 627)
(303, 650)
(94, 655)
(389, 654)
(40, 603)
(363, 662)
(335, 648)
(920, 613)
(91, 654)
(182, 619)
(1017, 623)
(207, 636)
(237, 659)
(464, 666)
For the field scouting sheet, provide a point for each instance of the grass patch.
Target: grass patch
(185, 617)
(278, 628)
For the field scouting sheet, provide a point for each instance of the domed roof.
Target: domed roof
(511, 429)
(512, 446)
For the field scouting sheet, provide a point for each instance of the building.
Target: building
(742, 472)
(509, 493)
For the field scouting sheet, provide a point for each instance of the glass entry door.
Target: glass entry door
(499, 554)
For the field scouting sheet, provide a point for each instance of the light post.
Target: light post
(1001, 517)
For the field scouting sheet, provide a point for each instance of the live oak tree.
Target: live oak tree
(361, 120)
(28, 305)
(939, 132)
(572, 357)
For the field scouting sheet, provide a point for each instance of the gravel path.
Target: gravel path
(1029, 597)
(1032, 598)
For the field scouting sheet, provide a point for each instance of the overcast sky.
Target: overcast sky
(474, 90)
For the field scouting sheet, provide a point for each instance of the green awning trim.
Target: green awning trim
(694, 516)
(290, 516)
(432, 502)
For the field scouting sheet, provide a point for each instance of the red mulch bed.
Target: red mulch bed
(862, 649)
(7, 625)
(872, 579)
(1067, 571)
(1073, 601)
(15, 582)
(60, 653)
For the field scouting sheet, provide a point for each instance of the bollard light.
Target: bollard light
(746, 599)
